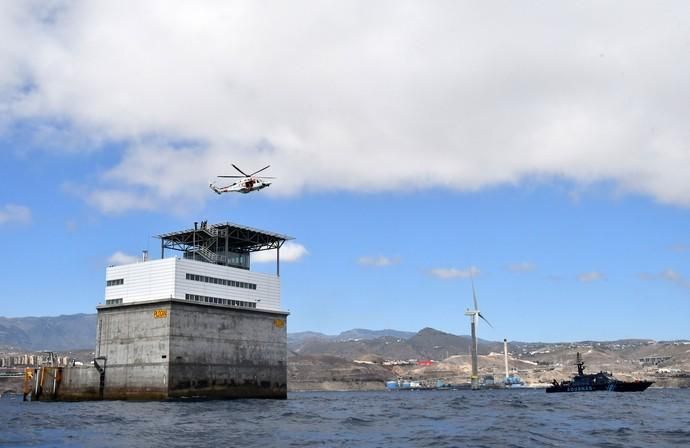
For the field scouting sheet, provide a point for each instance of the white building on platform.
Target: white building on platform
(212, 267)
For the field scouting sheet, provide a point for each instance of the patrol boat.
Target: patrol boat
(598, 381)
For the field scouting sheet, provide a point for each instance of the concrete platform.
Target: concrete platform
(174, 349)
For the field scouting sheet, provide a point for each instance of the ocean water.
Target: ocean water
(492, 418)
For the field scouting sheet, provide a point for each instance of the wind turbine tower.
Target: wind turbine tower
(505, 357)
(473, 314)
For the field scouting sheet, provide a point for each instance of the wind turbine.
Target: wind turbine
(473, 314)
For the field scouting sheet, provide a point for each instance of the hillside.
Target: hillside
(56, 333)
(349, 335)
(665, 362)
(426, 344)
(364, 359)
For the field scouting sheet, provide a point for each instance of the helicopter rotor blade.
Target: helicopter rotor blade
(234, 177)
(235, 166)
(255, 172)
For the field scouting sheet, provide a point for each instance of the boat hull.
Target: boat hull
(632, 386)
(618, 386)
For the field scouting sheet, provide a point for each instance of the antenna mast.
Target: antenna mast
(505, 354)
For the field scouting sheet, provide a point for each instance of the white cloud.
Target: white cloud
(120, 258)
(72, 225)
(449, 273)
(379, 261)
(671, 275)
(674, 277)
(290, 252)
(679, 247)
(588, 277)
(116, 202)
(526, 266)
(668, 275)
(15, 213)
(441, 94)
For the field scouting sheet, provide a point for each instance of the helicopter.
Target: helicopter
(246, 184)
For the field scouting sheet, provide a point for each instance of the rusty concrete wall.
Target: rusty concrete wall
(220, 352)
(78, 383)
(175, 349)
(134, 340)
(49, 383)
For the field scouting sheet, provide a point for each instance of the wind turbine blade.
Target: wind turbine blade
(255, 172)
(474, 296)
(484, 319)
(235, 166)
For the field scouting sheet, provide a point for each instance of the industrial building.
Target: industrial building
(197, 322)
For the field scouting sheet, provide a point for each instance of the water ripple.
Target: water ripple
(528, 418)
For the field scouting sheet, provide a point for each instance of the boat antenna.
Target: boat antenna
(580, 365)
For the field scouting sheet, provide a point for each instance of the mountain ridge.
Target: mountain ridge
(78, 331)
(51, 333)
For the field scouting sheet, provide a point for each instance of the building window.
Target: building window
(113, 301)
(219, 301)
(116, 282)
(219, 281)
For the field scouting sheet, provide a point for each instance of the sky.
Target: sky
(541, 149)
